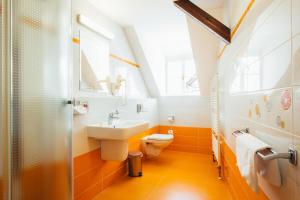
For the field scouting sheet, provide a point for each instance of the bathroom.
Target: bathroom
(150, 100)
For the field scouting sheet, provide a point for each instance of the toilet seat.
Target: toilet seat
(159, 137)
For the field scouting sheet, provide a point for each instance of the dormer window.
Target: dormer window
(181, 78)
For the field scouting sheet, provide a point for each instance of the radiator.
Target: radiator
(214, 106)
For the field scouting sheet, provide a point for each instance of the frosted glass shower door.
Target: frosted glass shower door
(40, 116)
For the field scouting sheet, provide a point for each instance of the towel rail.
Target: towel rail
(270, 154)
(242, 131)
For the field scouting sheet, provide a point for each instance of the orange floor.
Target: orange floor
(171, 176)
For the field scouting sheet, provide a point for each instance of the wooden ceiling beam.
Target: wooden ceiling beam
(211, 23)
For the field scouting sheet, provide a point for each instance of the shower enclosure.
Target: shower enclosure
(36, 114)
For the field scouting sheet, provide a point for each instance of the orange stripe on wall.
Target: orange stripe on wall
(190, 139)
(124, 60)
(92, 175)
(241, 19)
(237, 26)
(1, 189)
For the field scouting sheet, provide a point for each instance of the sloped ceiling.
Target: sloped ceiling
(205, 47)
(131, 12)
(158, 21)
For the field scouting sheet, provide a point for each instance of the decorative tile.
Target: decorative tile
(266, 108)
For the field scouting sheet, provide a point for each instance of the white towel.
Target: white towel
(246, 148)
(269, 170)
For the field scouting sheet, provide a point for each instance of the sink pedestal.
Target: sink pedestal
(114, 138)
(114, 150)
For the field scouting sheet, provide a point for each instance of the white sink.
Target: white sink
(114, 138)
(121, 130)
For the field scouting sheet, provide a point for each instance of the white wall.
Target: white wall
(269, 41)
(100, 104)
(205, 47)
(141, 57)
(194, 111)
(191, 111)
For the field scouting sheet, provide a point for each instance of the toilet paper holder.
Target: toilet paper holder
(270, 154)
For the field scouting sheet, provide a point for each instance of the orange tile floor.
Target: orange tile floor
(171, 176)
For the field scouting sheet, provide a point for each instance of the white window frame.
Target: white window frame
(182, 61)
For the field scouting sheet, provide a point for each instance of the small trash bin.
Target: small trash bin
(135, 163)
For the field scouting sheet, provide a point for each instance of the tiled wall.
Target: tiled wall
(1, 189)
(296, 84)
(190, 139)
(237, 185)
(92, 175)
(259, 78)
(191, 111)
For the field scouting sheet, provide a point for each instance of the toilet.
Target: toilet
(153, 144)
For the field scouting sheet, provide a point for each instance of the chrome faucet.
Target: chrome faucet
(112, 116)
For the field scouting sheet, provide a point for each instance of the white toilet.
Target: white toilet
(155, 143)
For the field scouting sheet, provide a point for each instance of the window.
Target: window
(181, 78)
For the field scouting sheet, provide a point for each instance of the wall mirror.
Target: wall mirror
(94, 51)
(99, 69)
